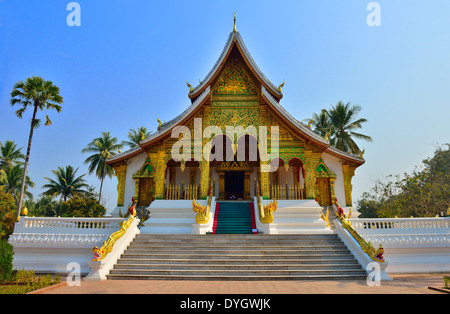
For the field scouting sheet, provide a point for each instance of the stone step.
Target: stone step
(253, 251)
(330, 255)
(236, 244)
(191, 246)
(236, 272)
(236, 278)
(267, 267)
(237, 257)
(342, 261)
(245, 241)
(250, 238)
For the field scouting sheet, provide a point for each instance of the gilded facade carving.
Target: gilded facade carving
(234, 80)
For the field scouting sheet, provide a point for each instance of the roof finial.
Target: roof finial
(281, 86)
(234, 29)
(190, 87)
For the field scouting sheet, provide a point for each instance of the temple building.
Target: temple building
(234, 95)
(233, 188)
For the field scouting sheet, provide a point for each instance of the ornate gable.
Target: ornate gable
(234, 80)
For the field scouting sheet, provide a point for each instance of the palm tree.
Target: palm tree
(342, 118)
(321, 123)
(135, 136)
(10, 154)
(11, 182)
(36, 93)
(102, 148)
(66, 185)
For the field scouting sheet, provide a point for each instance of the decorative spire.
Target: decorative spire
(234, 28)
(281, 86)
(190, 87)
(159, 122)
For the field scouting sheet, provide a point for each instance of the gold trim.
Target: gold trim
(367, 247)
(203, 211)
(107, 247)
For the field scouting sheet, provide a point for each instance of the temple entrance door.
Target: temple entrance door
(323, 193)
(234, 185)
(145, 192)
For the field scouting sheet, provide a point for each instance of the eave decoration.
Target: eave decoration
(322, 171)
(146, 171)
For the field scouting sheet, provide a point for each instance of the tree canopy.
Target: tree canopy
(423, 193)
(66, 184)
(136, 136)
(102, 148)
(338, 125)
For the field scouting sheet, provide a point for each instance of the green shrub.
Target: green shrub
(7, 214)
(83, 206)
(25, 281)
(6, 260)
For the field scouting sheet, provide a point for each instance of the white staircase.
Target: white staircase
(170, 217)
(299, 217)
(237, 257)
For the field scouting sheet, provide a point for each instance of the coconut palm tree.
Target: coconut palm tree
(10, 154)
(344, 123)
(135, 136)
(102, 148)
(66, 183)
(321, 123)
(35, 93)
(11, 182)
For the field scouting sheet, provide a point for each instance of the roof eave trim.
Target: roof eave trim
(234, 36)
(346, 156)
(159, 134)
(304, 129)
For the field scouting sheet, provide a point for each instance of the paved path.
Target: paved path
(402, 284)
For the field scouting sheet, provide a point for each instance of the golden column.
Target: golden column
(120, 172)
(311, 163)
(160, 173)
(204, 164)
(246, 185)
(264, 179)
(222, 185)
(137, 185)
(348, 171)
(204, 179)
(333, 195)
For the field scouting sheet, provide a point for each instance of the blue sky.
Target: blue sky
(129, 60)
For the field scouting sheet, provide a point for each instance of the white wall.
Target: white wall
(133, 165)
(335, 164)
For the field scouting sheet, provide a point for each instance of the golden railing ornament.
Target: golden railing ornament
(201, 210)
(327, 217)
(269, 209)
(367, 247)
(265, 212)
(107, 247)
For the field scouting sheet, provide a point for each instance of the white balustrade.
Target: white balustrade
(412, 245)
(400, 223)
(67, 225)
(49, 244)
